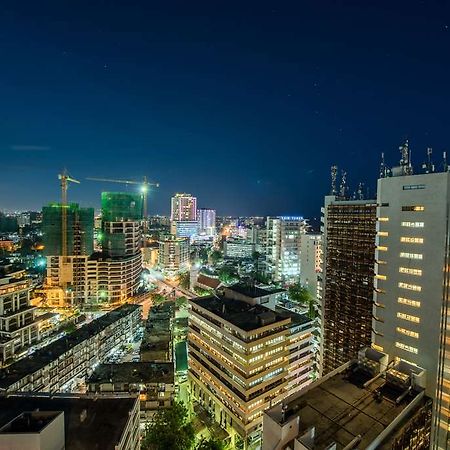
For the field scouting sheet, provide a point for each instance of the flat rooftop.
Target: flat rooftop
(101, 429)
(133, 372)
(253, 291)
(296, 318)
(241, 314)
(31, 364)
(340, 409)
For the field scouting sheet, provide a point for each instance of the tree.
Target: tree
(169, 429)
(185, 280)
(228, 275)
(158, 298)
(181, 302)
(215, 256)
(300, 295)
(203, 255)
(210, 444)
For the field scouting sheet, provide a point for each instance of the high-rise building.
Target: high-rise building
(245, 357)
(18, 325)
(185, 229)
(349, 228)
(283, 247)
(310, 261)
(173, 256)
(411, 312)
(183, 208)
(80, 229)
(207, 222)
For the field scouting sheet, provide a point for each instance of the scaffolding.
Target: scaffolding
(348, 291)
(121, 206)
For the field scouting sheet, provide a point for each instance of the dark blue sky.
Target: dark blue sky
(244, 104)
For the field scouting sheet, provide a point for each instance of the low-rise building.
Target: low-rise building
(154, 382)
(69, 422)
(54, 367)
(238, 248)
(365, 404)
(18, 324)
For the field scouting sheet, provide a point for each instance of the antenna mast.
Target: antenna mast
(334, 170)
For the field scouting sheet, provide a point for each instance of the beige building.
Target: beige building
(173, 257)
(18, 324)
(244, 357)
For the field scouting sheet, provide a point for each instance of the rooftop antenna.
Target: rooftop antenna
(334, 170)
(384, 169)
(343, 186)
(428, 166)
(444, 157)
(405, 160)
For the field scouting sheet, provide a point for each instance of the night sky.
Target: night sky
(245, 104)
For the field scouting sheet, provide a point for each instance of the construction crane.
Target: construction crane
(145, 185)
(65, 178)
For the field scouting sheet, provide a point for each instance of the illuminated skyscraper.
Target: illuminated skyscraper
(183, 207)
(207, 222)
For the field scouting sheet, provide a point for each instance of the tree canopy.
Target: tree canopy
(210, 444)
(169, 429)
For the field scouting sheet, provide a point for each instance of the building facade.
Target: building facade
(173, 255)
(349, 228)
(207, 222)
(310, 261)
(238, 249)
(183, 208)
(411, 301)
(283, 247)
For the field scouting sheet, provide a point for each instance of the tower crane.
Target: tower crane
(64, 178)
(145, 185)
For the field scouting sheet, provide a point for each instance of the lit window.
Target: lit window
(403, 316)
(411, 255)
(407, 348)
(383, 233)
(381, 277)
(411, 240)
(407, 332)
(383, 219)
(413, 208)
(407, 301)
(377, 347)
(410, 271)
(411, 287)
(382, 248)
(413, 224)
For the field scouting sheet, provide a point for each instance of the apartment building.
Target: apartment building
(56, 366)
(310, 261)
(412, 282)
(19, 327)
(155, 383)
(244, 357)
(173, 256)
(70, 422)
(349, 228)
(283, 247)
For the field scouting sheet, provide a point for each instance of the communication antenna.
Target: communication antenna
(428, 166)
(360, 191)
(405, 160)
(334, 170)
(343, 186)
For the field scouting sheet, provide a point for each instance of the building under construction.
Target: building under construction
(349, 228)
(79, 230)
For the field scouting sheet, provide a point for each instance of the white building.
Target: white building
(310, 260)
(283, 247)
(183, 207)
(238, 249)
(412, 283)
(173, 256)
(207, 222)
(184, 229)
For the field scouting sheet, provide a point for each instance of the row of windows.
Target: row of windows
(408, 332)
(413, 224)
(411, 287)
(408, 317)
(408, 302)
(410, 271)
(411, 255)
(408, 348)
(411, 240)
(413, 208)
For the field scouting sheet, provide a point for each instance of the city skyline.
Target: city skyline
(167, 92)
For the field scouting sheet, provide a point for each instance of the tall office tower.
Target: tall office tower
(207, 222)
(310, 261)
(80, 229)
(283, 247)
(349, 228)
(412, 282)
(173, 255)
(183, 207)
(245, 357)
(121, 223)
(18, 326)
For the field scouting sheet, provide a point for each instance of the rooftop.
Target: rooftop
(253, 291)
(133, 372)
(26, 366)
(96, 424)
(341, 408)
(296, 318)
(241, 314)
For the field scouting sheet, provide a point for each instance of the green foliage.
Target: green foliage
(228, 275)
(170, 429)
(210, 444)
(203, 255)
(158, 298)
(185, 280)
(299, 294)
(69, 328)
(215, 256)
(181, 302)
(202, 292)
